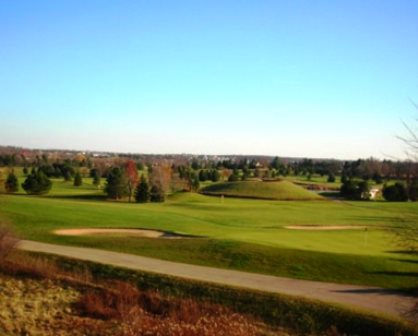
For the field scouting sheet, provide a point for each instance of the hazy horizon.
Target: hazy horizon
(294, 79)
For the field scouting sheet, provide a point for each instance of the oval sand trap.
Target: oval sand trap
(126, 232)
(324, 228)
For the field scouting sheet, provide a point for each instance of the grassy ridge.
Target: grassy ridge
(301, 315)
(282, 190)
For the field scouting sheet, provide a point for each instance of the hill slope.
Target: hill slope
(282, 190)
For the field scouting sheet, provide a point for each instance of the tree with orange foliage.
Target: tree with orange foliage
(131, 173)
(161, 175)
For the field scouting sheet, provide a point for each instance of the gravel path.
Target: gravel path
(367, 298)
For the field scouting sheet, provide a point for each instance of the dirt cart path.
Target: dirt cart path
(367, 298)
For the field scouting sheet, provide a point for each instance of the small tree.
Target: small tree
(12, 184)
(131, 173)
(142, 191)
(96, 179)
(157, 193)
(37, 183)
(195, 183)
(116, 184)
(331, 178)
(78, 180)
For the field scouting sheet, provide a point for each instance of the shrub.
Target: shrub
(331, 178)
(395, 193)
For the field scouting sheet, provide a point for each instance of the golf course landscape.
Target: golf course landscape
(323, 239)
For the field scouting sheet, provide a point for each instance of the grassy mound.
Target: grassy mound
(282, 190)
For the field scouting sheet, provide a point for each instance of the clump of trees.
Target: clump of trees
(123, 182)
(37, 183)
(400, 192)
(355, 190)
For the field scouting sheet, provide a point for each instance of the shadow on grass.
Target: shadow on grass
(396, 273)
(410, 261)
(407, 252)
(79, 197)
(406, 292)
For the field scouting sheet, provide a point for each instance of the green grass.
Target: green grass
(242, 234)
(282, 190)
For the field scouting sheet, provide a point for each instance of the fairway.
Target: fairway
(233, 233)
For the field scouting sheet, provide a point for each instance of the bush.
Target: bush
(37, 183)
(395, 193)
(331, 178)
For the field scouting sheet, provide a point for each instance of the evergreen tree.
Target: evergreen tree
(195, 183)
(157, 193)
(94, 173)
(142, 191)
(116, 184)
(37, 183)
(331, 178)
(11, 185)
(78, 180)
(215, 176)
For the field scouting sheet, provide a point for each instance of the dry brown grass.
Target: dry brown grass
(148, 313)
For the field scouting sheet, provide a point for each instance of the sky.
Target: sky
(328, 79)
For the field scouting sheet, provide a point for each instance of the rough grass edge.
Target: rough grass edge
(302, 316)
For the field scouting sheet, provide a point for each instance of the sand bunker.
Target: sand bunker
(126, 232)
(324, 228)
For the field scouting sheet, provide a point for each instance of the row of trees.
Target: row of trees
(397, 192)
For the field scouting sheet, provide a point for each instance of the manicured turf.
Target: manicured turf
(282, 190)
(242, 234)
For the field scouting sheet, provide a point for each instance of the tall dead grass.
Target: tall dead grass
(148, 313)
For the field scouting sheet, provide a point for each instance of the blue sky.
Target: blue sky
(295, 78)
